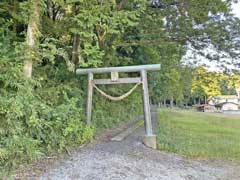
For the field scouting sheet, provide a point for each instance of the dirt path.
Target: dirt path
(130, 160)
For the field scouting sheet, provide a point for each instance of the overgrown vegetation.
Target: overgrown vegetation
(199, 135)
(43, 42)
(107, 114)
(48, 113)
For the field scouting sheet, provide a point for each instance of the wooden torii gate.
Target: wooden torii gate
(149, 139)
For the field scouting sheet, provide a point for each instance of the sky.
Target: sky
(212, 66)
(236, 9)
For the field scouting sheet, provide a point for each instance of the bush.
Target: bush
(37, 116)
(46, 114)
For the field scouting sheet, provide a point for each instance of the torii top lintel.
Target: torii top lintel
(138, 68)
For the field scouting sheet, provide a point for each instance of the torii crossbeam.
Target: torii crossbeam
(150, 138)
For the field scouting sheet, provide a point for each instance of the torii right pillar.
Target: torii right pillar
(150, 139)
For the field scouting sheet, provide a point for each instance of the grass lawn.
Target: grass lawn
(199, 135)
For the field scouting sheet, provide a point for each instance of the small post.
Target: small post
(149, 139)
(114, 76)
(89, 98)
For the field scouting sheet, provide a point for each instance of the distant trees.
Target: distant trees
(187, 85)
(233, 81)
(169, 26)
(205, 84)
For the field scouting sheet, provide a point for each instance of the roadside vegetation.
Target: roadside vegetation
(199, 135)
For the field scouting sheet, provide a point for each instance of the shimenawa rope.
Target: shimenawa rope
(119, 97)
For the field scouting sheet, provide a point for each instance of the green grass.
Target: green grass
(199, 135)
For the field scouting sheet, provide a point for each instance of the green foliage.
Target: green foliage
(30, 124)
(101, 26)
(167, 83)
(107, 114)
(205, 83)
(38, 115)
(47, 113)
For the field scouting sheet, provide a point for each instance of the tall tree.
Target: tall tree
(32, 36)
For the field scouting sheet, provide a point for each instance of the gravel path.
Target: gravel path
(131, 160)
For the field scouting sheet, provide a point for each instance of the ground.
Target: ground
(200, 135)
(130, 159)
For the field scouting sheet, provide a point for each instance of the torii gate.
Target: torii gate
(149, 139)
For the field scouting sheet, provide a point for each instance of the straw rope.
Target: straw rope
(119, 97)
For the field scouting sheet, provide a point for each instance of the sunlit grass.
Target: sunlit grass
(199, 135)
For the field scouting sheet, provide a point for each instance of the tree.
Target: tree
(186, 79)
(234, 81)
(205, 84)
(173, 24)
(32, 36)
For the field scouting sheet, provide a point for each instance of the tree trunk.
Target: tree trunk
(75, 51)
(76, 42)
(171, 102)
(15, 9)
(194, 101)
(32, 36)
(199, 100)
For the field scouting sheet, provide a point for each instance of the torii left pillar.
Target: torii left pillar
(89, 98)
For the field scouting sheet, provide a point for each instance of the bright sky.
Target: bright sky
(212, 66)
(236, 9)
